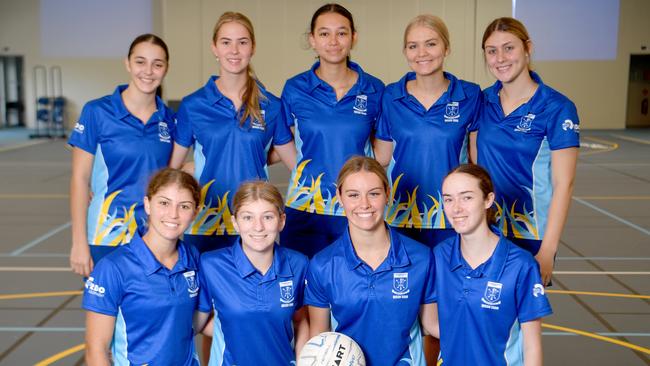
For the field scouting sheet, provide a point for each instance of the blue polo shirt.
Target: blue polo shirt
(225, 153)
(152, 304)
(127, 152)
(327, 133)
(253, 323)
(427, 144)
(378, 309)
(516, 150)
(480, 310)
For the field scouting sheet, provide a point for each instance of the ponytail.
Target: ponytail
(251, 99)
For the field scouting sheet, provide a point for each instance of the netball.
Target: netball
(329, 349)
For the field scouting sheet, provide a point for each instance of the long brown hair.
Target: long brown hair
(512, 26)
(252, 94)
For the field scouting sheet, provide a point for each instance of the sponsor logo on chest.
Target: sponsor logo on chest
(286, 294)
(163, 132)
(361, 105)
(452, 112)
(525, 123)
(400, 288)
(192, 283)
(492, 296)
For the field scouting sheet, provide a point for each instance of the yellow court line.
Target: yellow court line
(633, 139)
(597, 336)
(52, 359)
(39, 294)
(614, 198)
(606, 294)
(37, 196)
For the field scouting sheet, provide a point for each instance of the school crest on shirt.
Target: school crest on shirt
(255, 124)
(400, 285)
(452, 112)
(525, 123)
(192, 284)
(163, 132)
(361, 104)
(492, 296)
(286, 293)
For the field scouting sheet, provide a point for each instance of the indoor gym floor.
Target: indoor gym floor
(600, 297)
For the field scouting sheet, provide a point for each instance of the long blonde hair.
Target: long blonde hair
(252, 94)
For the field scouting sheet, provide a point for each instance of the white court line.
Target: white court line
(35, 269)
(35, 255)
(611, 215)
(42, 329)
(633, 139)
(596, 273)
(42, 238)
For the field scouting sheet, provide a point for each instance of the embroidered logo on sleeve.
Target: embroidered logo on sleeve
(94, 289)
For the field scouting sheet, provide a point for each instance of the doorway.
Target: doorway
(638, 93)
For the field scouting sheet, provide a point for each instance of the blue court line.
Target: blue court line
(42, 329)
(611, 215)
(40, 239)
(605, 334)
(603, 258)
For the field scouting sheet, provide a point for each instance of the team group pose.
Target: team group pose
(406, 235)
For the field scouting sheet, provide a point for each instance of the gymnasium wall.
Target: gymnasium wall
(599, 88)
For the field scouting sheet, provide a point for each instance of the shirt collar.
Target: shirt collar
(363, 85)
(535, 105)
(118, 103)
(492, 268)
(397, 255)
(119, 107)
(279, 268)
(151, 265)
(211, 91)
(454, 93)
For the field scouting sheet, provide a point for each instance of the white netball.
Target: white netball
(331, 348)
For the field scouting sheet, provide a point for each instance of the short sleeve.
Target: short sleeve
(85, 134)
(282, 134)
(429, 294)
(315, 294)
(532, 302)
(184, 134)
(563, 128)
(477, 102)
(288, 117)
(104, 290)
(205, 302)
(300, 283)
(382, 127)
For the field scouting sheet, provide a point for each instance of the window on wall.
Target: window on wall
(92, 28)
(570, 30)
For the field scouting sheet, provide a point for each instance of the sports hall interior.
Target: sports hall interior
(601, 284)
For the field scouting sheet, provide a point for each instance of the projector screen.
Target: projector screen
(92, 28)
(570, 29)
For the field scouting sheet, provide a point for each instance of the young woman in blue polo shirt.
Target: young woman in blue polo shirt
(372, 282)
(332, 109)
(488, 291)
(423, 131)
(255, 287)
(118, 142)
(140, 299)
(528, 140)
(231, 123)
